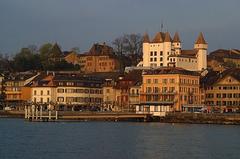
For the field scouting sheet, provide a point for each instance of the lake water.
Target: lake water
(116, 140)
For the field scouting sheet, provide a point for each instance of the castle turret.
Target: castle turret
(202, 46)
(146, 38)
(158, 38)
(146, 47)
(200, 42)
(177, 43)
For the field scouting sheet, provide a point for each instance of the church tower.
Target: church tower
(177, 44)
(201, 46)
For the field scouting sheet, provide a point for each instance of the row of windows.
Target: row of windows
(155, 59)
(91, 91)
(165, 81)
(224, 103)
(41, 100)
(188, 81)
(155, 65)
(78, 84)
(42, 92)
(79, 99)
(105, 63)
(155, 98)
(158, 90)
(14, 89)
(224, 88)
(189, 99)
(133, 92)
(188, 90)
(223, 95)
(183, 60)
(154, 53)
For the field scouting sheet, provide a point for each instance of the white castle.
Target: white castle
(163, 51)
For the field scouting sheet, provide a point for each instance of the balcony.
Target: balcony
(167, 102)
(159, 93)
(134, 95)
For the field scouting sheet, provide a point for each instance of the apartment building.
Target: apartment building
(14, 88)
(168, 89)
(222, 90)
(68, 91)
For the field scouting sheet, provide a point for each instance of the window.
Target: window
(164, 89)
(224, 95)
(161, 64)
(148, 80)
(229, 95)
(48, 100)
(149, 90)
(155, 59)
(161, 59)
(155, 80)
(151, 53)
(70, 83)
(133, 91)
(70, 90)
(41, 93)
(219, 103)
(48, 92)
(70, 99)
(60, 90)
(161, 53)
(156, 90)
(155, 53)
(151, 59)
(35, 92)
(172, 81)
(164, 81)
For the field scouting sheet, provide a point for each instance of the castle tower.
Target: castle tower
(177, 43)
(167, 47)
(202, 46)
(146, 44)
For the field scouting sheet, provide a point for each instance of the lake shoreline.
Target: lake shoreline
(184, 118)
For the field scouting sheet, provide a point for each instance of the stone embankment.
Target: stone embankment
(202, 118)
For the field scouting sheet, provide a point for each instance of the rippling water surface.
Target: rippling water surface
(116, 140)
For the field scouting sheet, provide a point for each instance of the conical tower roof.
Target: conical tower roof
(176, 38)
(146, 38)
(158, 38)
(167, 37)
(200, 39)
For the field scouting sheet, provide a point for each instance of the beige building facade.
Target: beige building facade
(168, 89)
(222, 90)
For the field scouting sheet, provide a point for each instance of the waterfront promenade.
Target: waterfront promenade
(197, 118)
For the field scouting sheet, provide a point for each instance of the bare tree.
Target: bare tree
(132, 44)
(118, 45)
(128, 44)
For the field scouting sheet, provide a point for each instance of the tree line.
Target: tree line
(128, 49)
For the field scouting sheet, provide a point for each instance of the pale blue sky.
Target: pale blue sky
(80, 23)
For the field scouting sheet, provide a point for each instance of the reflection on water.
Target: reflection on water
(116, 140)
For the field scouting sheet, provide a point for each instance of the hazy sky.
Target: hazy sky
(80, 23)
